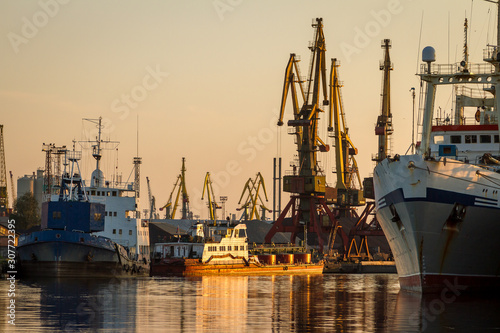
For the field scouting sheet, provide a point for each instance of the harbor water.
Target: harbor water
(300, 303)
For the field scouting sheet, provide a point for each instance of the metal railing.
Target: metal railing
(456, 68)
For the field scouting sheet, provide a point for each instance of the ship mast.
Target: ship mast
(498, 18)
(97, 178)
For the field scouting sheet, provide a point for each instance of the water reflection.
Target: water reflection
(284, 303)
(318, 303)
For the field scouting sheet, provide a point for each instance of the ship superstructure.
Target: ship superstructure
(123, 223)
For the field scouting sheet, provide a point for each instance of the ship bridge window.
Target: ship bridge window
(471, 139)
(114, 193)
(496, 139)
(485, 138)
(455, 139)
(438, 139)
(56, 215)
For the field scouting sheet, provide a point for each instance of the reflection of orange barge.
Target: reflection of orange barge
(224, 251)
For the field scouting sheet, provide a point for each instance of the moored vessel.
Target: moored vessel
(93, 231)
(438, 208)
(223, 249)
(66, 245)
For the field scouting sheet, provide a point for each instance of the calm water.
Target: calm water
(318, 303)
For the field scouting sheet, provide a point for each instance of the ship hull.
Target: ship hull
(438, 217)
(58, 253)
(193, 267)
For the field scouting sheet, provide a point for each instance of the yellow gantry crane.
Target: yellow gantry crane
(253, 199)
(180, 185)
(349, 188)
(212, 205)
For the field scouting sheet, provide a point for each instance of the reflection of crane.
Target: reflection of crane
(152, 202)
(180, 184)
(346, 167)
(308, 183)
(12, 189)
(212, 205)
(250, 205)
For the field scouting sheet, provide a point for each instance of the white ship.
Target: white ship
(88, 231)
(439, 208)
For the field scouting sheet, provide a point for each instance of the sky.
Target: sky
(203, 80)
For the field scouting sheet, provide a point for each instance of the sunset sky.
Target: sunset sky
(203, 80)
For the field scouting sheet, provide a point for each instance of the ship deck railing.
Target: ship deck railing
(448, 121)
(457, 69)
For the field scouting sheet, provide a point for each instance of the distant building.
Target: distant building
(32, 184)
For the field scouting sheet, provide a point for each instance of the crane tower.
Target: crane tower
(180, 185)
(384, 121)
(307, 184)
(4, 198)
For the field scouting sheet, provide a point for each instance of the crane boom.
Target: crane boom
(253, 188)
(384, 128)
(152, 201)
(305, 122)
(180, 186)
(308, 201)
(212, 205)
(346, 165)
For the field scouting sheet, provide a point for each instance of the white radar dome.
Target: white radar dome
(428, 54)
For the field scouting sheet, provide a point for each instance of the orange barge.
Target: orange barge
(224, 251)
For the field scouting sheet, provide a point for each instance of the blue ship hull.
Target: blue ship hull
(60, 253)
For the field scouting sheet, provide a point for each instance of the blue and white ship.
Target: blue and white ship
(93, 231)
